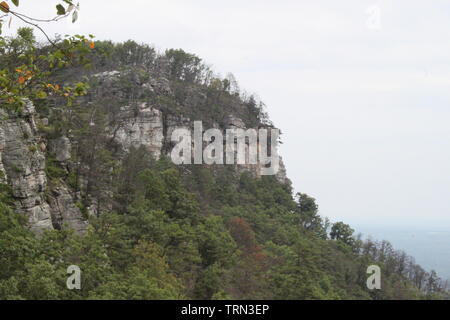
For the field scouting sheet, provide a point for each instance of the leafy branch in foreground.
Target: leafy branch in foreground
(61, 13)
(26, 67)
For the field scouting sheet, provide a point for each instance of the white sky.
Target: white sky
(365, 108)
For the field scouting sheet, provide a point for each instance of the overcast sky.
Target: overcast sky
(360, 89)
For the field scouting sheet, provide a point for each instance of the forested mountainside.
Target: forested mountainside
(91, 185)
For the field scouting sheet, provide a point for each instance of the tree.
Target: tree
(308, 216)
(147, 278)
(433, 283)
(184, 66)
(342, 232)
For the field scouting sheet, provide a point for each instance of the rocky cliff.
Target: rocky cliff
(23, 165)
(25, 150)
(23, 162)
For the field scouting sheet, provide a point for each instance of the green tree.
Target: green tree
(342, 232)
(308, 215)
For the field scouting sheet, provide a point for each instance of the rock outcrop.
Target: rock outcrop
(61, 148)
(22, 164)
(64, 211)
(141, 126)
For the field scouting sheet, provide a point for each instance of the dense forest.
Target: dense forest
(160, 231)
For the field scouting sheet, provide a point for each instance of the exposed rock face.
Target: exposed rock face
(234, 122)
(141, 127)
(282, 174)
(148, 127)
(64, 212)
(23, 166)
(172, 123)
(61, 148)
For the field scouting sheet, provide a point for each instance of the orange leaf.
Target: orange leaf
(4, 6)
(21, 80)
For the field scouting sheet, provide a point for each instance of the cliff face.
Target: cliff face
(141, 128)
(25, 151)
(23, 164)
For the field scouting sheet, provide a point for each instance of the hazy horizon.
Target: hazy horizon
(428, 246)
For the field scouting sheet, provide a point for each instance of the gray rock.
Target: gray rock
(23, 165)
(141, 128)
(64, 212)
(234, 122)
(61, 148)
(44, 121)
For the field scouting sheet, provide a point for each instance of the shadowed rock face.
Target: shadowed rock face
(23, 166)
(64, 212)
